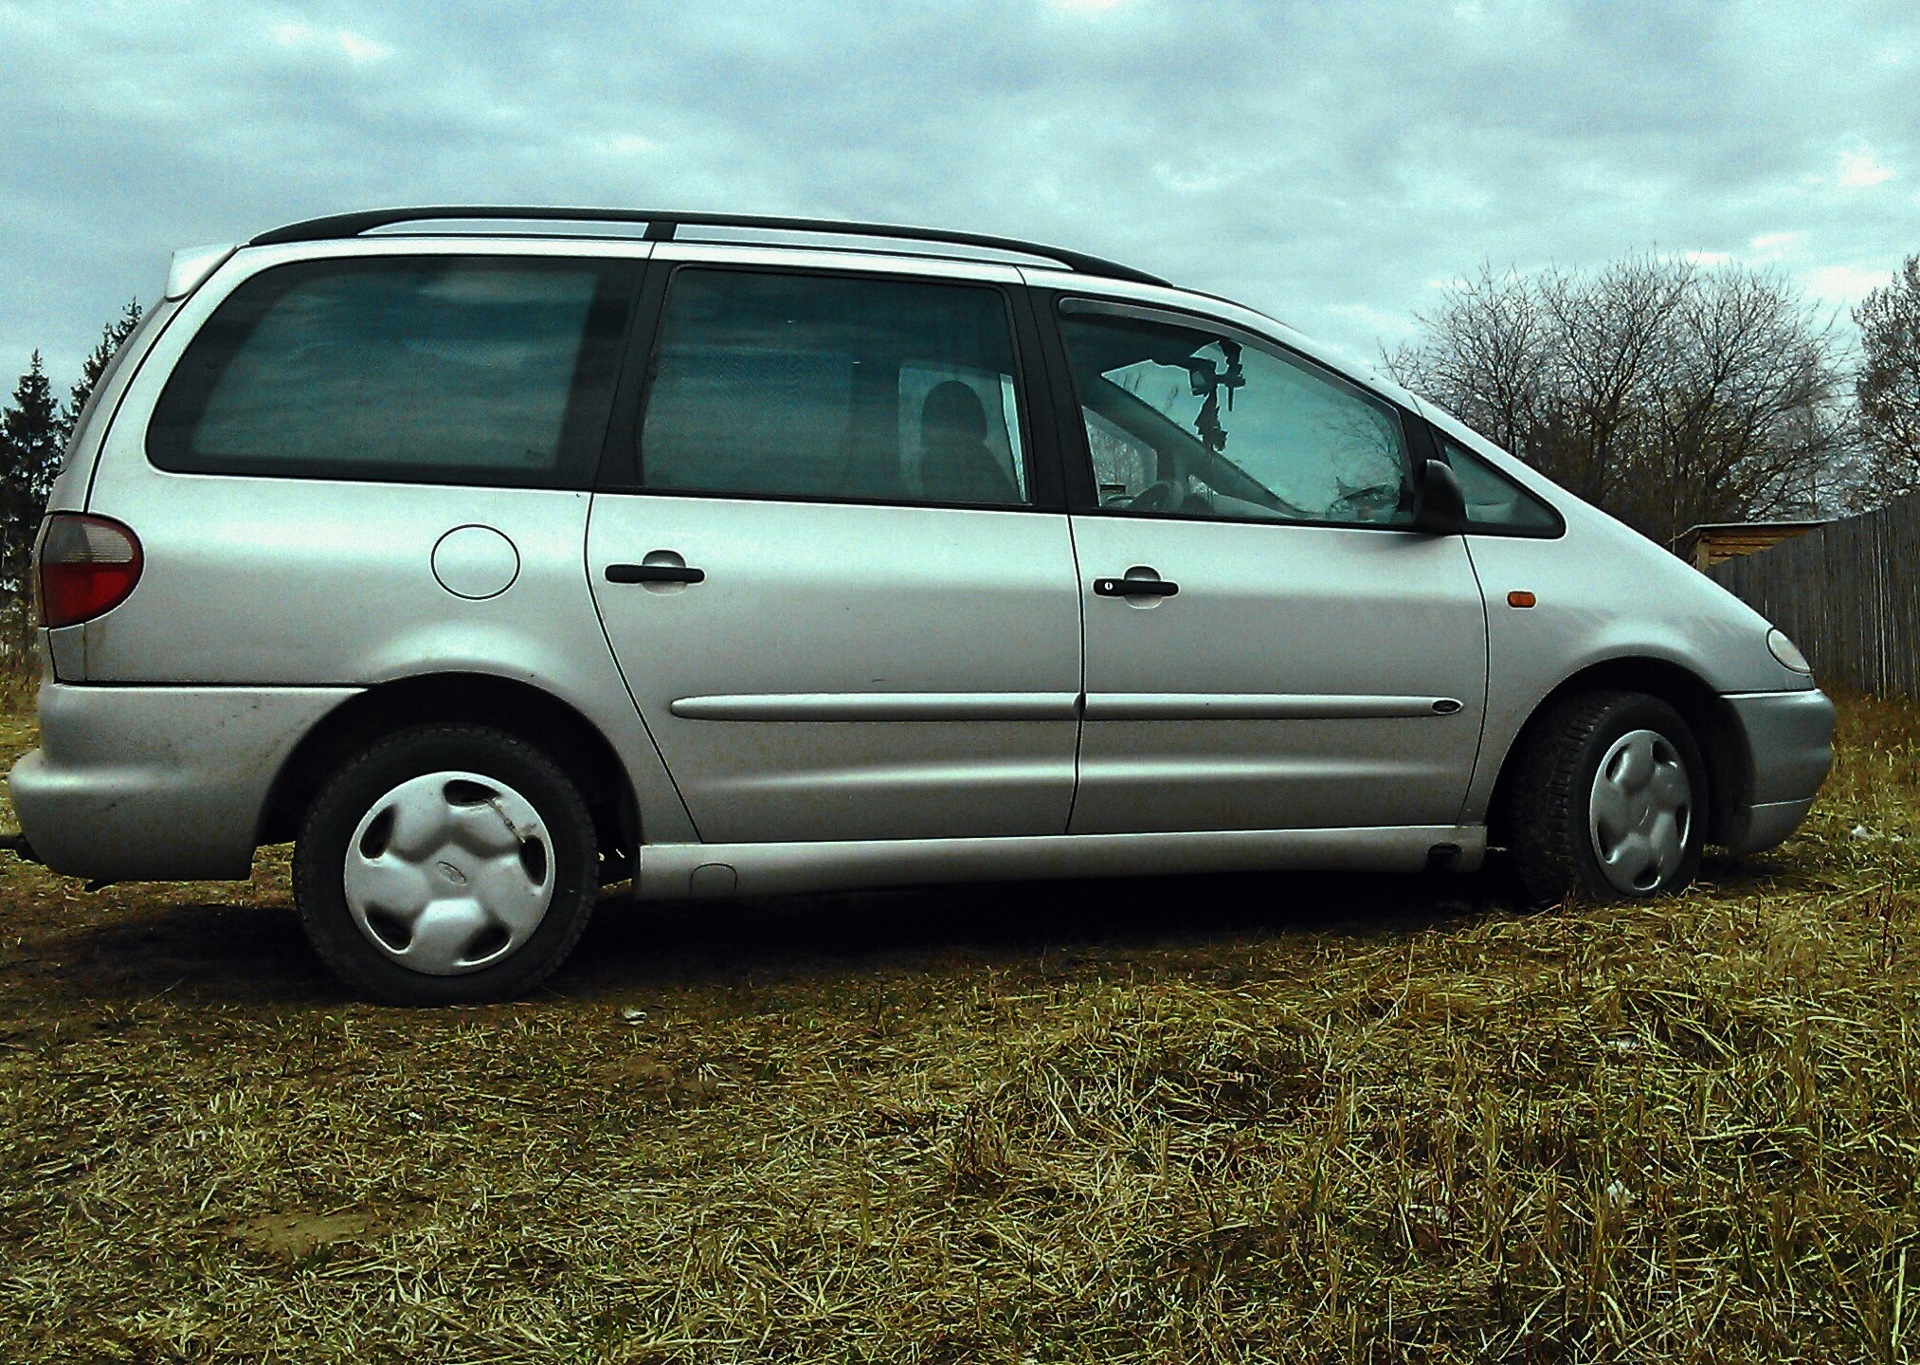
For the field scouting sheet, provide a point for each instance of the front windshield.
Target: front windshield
(1185, 422)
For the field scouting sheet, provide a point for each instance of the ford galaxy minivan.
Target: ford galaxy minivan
(495, 555)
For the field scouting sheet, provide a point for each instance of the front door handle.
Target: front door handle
(1134, 587)
(654, 573)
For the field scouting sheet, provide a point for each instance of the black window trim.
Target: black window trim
(619, 471)
(573, 471)
(1083, 494)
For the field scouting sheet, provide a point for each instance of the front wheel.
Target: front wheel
(1608, 800)
(448, 864)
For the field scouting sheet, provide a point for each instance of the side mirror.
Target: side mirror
(1439, 508)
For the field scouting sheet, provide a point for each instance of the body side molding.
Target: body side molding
(1260, 706)
(868, 706)
(668, 871)
(855, 706)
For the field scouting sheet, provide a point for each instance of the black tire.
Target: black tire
(554, 846)
(1554, 817)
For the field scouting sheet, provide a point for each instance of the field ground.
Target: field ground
(1205, 1119)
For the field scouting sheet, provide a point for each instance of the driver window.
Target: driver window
(1183, 422)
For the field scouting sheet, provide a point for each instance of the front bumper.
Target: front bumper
(1789, 737)
(158, 783)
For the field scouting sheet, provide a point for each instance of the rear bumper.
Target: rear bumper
(158, 783)
(1789, 738)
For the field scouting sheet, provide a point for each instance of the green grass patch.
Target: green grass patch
(1236, 1118)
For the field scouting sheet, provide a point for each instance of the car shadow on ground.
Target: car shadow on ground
(257, 954)
(1014, 920)
(140, 949)
(1004, 924)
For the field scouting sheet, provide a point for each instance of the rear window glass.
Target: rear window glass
(425, 369)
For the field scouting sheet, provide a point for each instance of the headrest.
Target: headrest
(952, 412)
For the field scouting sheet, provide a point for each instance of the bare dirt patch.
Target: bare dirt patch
(298, 1235)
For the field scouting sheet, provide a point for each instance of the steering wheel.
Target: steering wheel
(1376, 503)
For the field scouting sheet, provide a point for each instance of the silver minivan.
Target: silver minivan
(494, 555)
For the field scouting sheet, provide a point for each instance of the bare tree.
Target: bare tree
(1488, 350)
(1888, 384)
(1666, 394)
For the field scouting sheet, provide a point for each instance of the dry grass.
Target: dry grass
(1205, 1119)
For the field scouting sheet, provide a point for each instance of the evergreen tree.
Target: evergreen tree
(30, 447)
(111, 336)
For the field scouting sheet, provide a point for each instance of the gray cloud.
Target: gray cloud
(1326, 163)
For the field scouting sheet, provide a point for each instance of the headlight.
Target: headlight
(1788, 653)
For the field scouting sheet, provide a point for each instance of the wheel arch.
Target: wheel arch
(1715, 729)
(518, 708)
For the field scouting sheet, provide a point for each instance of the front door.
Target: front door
(825, 579)
(1269, 645)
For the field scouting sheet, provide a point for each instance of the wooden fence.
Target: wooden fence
(1849, 595)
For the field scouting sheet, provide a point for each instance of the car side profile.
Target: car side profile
(496, 555)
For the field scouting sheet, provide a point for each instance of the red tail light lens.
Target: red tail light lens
(88, 565)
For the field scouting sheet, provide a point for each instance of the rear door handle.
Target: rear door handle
(1134, 587)
(654, 573)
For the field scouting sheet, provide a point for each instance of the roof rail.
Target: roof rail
(661, 226)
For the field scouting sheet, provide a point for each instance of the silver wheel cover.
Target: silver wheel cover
(1641, 812)
(449, 873)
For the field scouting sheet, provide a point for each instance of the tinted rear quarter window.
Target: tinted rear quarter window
(420, 369)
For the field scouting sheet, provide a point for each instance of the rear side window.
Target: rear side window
(826, 387)
(425, 369)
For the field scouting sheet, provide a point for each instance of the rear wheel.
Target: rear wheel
(1608, 800)
(447, 864)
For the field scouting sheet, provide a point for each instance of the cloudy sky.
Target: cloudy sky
(1334, 164)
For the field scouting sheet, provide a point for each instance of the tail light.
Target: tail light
(88, 565)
